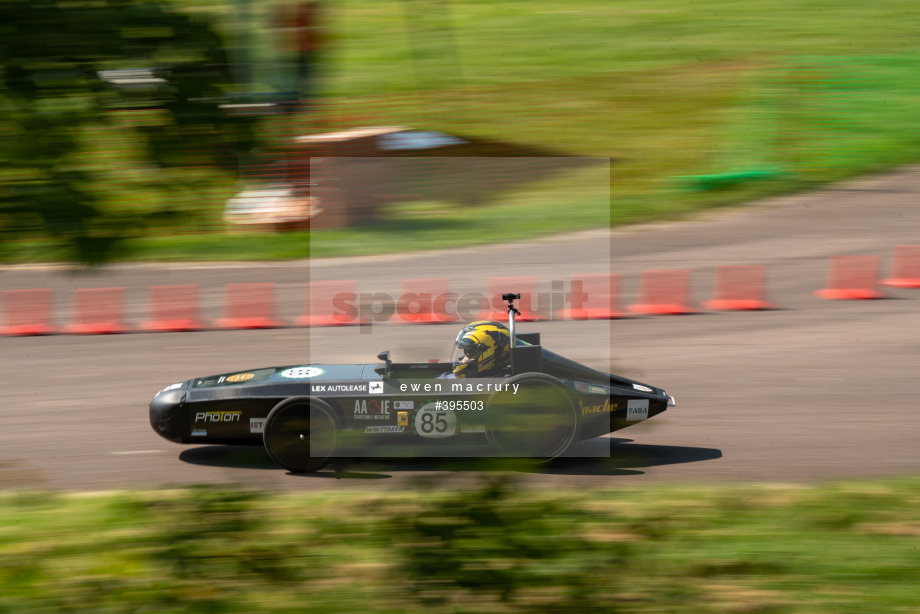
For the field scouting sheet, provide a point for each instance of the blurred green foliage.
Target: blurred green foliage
(459, 546)
(737, 100)
(75, 73)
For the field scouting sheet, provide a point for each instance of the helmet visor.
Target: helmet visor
(465, 350)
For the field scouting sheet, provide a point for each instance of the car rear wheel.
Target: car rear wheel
(300, 434)
(539, 422)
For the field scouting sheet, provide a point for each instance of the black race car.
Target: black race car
(306, 414)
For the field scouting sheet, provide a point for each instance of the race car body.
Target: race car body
(304, 414)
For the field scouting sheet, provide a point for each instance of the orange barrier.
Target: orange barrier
(172, 309)
(851, 277)
(592, 297)
(330, 303)
(663, 293)
(424, 301)
(497, 310)
(249, 306)
(906, 267)
(27, 312)
(97, 311)
(428, 301)
(739, 288)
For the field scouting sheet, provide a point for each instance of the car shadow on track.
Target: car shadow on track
(599, 457)
(240, 457)
(623, 456)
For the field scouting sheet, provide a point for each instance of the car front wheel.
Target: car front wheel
(300, 434)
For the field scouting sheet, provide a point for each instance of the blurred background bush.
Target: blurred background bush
(128, 125)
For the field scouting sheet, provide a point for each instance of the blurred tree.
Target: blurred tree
(65, 66)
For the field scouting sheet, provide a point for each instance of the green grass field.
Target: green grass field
(493, 547)
(697, 105)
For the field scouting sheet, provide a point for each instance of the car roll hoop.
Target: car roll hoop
(512, 310)
(524, 358)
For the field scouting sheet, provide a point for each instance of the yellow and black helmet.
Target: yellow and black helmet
(483, 349)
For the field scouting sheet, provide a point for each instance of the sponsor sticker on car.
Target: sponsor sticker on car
(385, 429)
(435, 424)
(301, 372)
(236, 378)
(637, 410)
(375, 387)
(600, 408)
(332, 388)
(373, 409)
(217, 416)
(256, 425)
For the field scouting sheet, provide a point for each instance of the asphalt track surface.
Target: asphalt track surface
(811, 391)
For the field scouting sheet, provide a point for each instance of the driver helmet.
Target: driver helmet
(482, 349)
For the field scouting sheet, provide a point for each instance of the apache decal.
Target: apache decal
(592, 410)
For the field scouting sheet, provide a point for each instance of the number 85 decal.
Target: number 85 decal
(435, 424)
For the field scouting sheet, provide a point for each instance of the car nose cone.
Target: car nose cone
(166, 412)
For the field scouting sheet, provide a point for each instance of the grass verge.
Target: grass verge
(848, 547)
(697, 105)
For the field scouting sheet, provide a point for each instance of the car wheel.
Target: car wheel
(300, 434)
(539, 422)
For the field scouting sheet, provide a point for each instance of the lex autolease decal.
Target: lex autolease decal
(434, 424)
(637, 410)
(301, 372)
(338, 388)
(375, 387)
